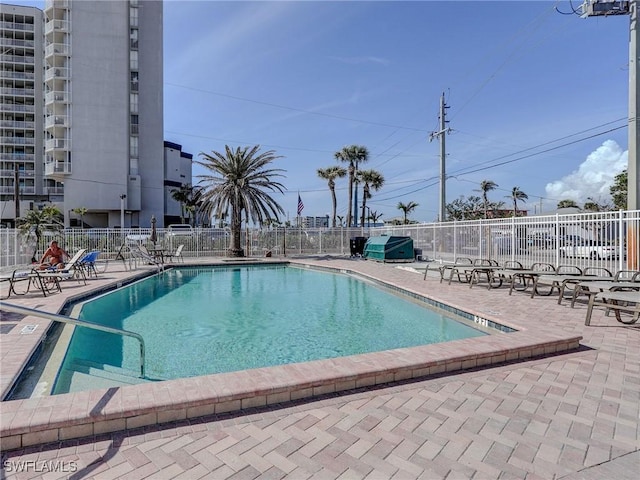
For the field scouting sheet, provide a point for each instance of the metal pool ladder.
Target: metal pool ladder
(61, 318)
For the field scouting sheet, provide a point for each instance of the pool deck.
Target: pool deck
(530, 404)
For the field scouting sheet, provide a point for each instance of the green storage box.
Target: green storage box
(389, 249)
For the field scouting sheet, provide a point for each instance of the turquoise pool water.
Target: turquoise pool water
(198, 321)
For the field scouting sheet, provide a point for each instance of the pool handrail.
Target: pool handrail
(73, 321)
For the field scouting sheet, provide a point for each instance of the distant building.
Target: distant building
(177, 167)
(313, 222)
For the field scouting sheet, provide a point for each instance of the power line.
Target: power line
(284, 107)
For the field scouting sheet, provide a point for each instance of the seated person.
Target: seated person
(53, 257)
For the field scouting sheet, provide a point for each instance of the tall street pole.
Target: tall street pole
(443, 155)
(594, 8)
(16, 191)
(633, 181)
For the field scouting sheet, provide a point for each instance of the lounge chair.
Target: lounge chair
(177, 254)
(620, 282)
(140, 253)
(527, 276)
(443, 269)
(589, 274)
(616, 301)
(71, 269)
(486, 268)
(555, 280)
(17, 275)
(88, 263)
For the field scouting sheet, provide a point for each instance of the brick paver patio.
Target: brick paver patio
(572, 415)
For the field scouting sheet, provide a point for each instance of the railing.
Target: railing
(605, 239)
(72, 321)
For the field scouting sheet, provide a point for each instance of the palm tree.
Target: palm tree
(407, 209)
(372, 180)
(352, 155)
(239, 183)
(330, 174)
(182, 195)
(341, 218)
(194, 204)
(82, 211)
(567, 203)
(35, 221)
(374, 216)
(517, 194)
(486, 186)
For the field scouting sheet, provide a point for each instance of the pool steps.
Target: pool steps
(117, 376)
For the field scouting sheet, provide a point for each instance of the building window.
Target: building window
(133, 147)
(133, 59)
(133, 16)
(133, 102)
(133, 39)
(134, 81)
(134, 124)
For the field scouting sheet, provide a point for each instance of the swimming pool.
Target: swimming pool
(198, 321)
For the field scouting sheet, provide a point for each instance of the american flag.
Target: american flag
(300, 205)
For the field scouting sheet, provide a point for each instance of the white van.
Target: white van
(179, 230)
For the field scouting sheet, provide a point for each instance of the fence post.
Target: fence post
(455, 242)
(557, 239)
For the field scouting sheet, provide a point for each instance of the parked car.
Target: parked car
(589, 249)
(179, 230)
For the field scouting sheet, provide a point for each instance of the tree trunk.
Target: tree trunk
(335, 206)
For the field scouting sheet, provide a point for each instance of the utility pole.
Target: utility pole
(595, 8)
(443, 175)
(16, 190)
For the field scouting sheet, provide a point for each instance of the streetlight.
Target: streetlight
(122, 197)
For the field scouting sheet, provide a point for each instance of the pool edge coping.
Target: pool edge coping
(115, 409)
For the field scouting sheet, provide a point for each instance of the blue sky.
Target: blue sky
(543, 94)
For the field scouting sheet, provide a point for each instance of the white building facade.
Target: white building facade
(101, 81)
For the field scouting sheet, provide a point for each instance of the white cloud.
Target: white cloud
(593, 177)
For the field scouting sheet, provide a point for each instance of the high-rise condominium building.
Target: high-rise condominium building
(21, 111)
(101, 97)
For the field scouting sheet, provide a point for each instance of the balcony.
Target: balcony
(55, 121)
(56, 97)
(55, 4)
(17, 124)
(16, 59)
(29, 27)
(12, 107)
(18, 92)
(21, 173)
(18, 157)
(17, 75)
(57, 169)
(57, 144)
(17, 141)
(56, 73)
(12, 42)
(53, 190)
(55, 26)
(56, 49)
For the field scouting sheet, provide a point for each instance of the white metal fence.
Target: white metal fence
(608, 239)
